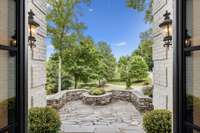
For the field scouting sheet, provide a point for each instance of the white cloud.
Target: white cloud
(121, 44)
(90, 10)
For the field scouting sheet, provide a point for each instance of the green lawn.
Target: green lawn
(135, 84)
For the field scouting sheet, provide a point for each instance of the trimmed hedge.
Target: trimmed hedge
(157, 121)
(44, 120)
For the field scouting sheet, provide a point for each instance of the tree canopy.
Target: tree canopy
(145, 48)
(142, 5)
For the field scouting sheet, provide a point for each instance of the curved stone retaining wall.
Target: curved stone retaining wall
(58, 100)
(141, 102)
(97, 100)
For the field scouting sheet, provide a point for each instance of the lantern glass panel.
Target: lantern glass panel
(167, 30)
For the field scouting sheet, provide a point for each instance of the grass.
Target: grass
(147, 81)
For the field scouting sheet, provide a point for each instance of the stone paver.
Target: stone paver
(117, 117)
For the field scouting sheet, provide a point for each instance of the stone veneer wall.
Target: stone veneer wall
(141, 102)
(162, 58)
(37, 56)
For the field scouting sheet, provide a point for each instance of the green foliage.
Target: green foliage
(106, 62)
(97, 91)
(63, 28)
(145, 48)
(52, 76)
(148, 91)
(43, 120)
(158, 121)
(138, 68)
(10, 105)
(125, 70)
(81, 60)
(193, 101)
(132, 69)
(142, 5)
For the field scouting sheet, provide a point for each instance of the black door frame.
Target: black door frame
(22, 92)
(21, 72)
(180, 52)
(179, 67)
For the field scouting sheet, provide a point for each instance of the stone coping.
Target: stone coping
(141, 102)
(58, 95)
(86, 94)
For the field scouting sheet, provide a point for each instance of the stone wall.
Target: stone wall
(59, 99)
(141, 102)
(37, 55)
(97, 100)
(162, 58)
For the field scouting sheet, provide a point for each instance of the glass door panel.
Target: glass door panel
(7, 22)
(192, 67)
(8, 72)
(7, 88)
(193, 21)
(193, 88)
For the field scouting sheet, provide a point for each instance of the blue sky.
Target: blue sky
(111, 21)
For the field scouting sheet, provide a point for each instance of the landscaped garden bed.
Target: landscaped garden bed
(97, 99)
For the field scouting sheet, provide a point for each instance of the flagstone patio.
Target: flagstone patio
(117, 117)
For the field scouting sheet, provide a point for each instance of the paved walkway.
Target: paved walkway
(117, 117)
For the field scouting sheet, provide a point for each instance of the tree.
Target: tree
(63, 27)
(145, 48)
(142, 5)
(52, 76)
(125, 70)
(132, 69)
(138, 68)
(51, 83)
(107, 62)
(81, 60)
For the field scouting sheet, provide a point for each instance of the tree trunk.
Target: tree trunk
(99, 83)
(59, 74)
(75, 82)
(128, 83)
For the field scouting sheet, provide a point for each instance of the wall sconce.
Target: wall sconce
(33, 25)
(13, 43)
(188, 41)
(166, 25)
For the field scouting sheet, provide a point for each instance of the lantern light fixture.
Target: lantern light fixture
(166, 25)
(33, 25)
(188, 39)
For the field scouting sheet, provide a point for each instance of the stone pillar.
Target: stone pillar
(37, 56)
(162, 58)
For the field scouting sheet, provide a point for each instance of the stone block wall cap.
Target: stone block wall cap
(120, 90)
(60, 94)
(86, 94)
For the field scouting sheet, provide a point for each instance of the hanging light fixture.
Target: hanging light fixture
(166, 25)
(33, 25)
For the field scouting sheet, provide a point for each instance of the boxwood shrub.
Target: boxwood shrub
(157, 121)
(44, 120)
(97, 91)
